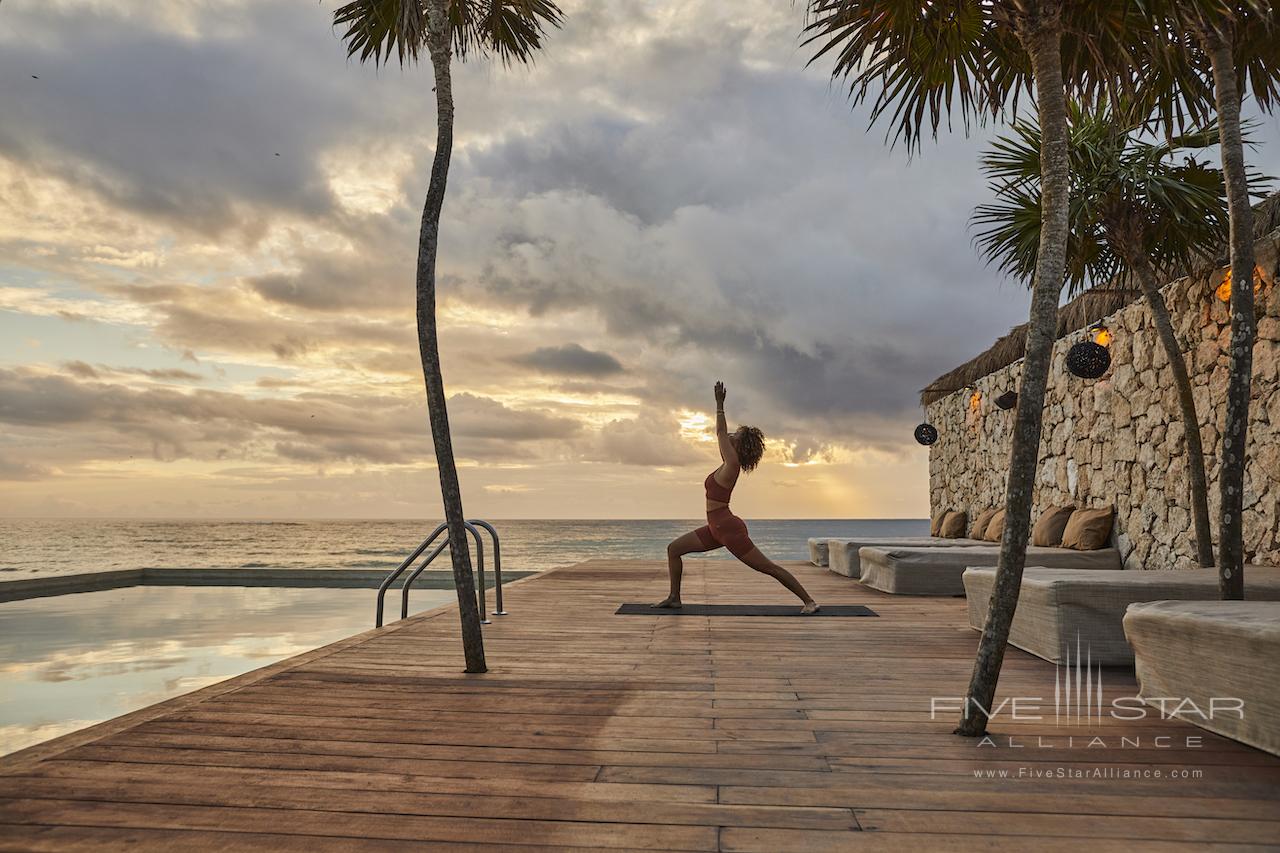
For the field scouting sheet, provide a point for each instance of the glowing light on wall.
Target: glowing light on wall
(1088, 360)
(1224, 290)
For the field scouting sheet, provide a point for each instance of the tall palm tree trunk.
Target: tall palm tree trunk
(1042, 39)
(428, 339)
(1197, 481)
(1243, 324)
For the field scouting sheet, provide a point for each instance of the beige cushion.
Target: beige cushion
(935, 526)
(818, 551)
(980, 525)
(1088, 529)
(842, 554)
(1048, 530)
(1058, 607)
(940, 571)
(995, 527)
(1203, 651)
(953, 525)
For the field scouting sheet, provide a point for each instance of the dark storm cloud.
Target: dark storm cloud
(185, 130)
(571, 360)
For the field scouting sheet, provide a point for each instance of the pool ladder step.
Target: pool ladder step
(473, 526)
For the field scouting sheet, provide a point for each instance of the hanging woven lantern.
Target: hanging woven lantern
(1007, 400)
(1088, 359)
(926, 434)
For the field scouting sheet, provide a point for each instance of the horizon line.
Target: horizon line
(304, 519)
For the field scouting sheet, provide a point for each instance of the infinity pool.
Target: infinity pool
(69, 661)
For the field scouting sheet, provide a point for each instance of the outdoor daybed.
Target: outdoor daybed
(1058, 607)
(947, 528)
(940, 571)
(841, 555)
(818, 550)
(1203, 659)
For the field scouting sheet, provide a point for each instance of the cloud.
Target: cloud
(88, 371)
(13, 469)
(571, 360)
(480, 417)
(94, 417)
(647, 441)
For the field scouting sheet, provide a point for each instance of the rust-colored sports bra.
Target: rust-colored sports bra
(715, 491)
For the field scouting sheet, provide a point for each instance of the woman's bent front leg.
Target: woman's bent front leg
(689, 543)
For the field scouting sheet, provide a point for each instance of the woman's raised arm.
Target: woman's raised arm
(728, 454)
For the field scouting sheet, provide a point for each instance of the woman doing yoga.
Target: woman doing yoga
(739, 452)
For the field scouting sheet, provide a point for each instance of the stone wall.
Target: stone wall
(1117, 441)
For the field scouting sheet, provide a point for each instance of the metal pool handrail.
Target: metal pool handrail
(386, 584)
(408, 582)
(426, 543)
(497, 564)
(475, 534)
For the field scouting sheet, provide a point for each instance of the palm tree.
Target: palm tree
(1134, 211)
(916, 61)
(1213, 50)
(511, 30)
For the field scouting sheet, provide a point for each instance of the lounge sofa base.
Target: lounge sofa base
(843, 553)
(1061, 611)
(1206, 658)
(940, 571)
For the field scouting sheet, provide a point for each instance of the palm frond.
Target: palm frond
(375, 29)
(917, 63)
(511, 30)
(1175, 79)
(1129, 193)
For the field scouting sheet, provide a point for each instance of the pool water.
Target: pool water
(69, 661)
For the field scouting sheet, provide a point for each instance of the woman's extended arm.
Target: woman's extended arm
(728, 454)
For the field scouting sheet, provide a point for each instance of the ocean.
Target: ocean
(36, 547)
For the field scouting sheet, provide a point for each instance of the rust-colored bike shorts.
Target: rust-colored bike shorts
(725, 530)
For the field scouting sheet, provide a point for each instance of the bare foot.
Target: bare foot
(810, 609)
(670, 603)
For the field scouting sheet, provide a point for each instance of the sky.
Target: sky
(208, 227)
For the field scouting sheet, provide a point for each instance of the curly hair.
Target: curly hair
(749, 441)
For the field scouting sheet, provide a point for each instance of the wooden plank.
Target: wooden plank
(459, 805)
(752, 840)
(1239, 830)
(396, 827)
(924, 794)
(108, 839)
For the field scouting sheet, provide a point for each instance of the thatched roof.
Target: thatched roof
(1086, 309)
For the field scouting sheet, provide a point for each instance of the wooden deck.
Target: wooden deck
(634, 732)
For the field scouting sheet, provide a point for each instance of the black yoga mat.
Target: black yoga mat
(743, 610)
